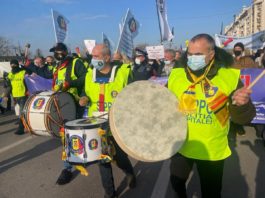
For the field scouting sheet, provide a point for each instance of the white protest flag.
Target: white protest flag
(254, 41)
(60, 26)
(130, 29)
(166, 34)
(109, 43)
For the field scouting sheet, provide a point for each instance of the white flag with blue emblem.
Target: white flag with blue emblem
(60, 24)
(107, 42)
(166, 34)
(130, 29)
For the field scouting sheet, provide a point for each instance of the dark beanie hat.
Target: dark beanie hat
(14, 62)
(241, 45)
(59, 47)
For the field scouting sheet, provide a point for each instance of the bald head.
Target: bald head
(39, 62)
(101, 49)
(101, 52)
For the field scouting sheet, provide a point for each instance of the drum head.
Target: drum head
(145, 122)
(67, 109)
(89, 123)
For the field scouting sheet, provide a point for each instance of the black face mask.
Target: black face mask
(116, 62)
(15, 69)
(237, 53)
(59, 56)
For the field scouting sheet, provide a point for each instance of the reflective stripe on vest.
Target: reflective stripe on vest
(17, 83)
(206, 139)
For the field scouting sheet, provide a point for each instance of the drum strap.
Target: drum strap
(101, 97)
(102, 87)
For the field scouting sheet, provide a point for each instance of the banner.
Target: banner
(159, 80)
(90, 44)
(165, 32)
(254, 41)
(38, 84)
(155, 52)
(60, 26)
(130, 29)
(258, 94)
(107, 42)
(4, 67)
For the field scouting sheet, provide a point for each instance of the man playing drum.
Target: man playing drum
(210, 93)
(102, 84)
(68, 76)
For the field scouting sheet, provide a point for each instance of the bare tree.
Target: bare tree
(38, 53)
(5, 47)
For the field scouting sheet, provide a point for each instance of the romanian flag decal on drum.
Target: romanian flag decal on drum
(38, 104)
(76, 145)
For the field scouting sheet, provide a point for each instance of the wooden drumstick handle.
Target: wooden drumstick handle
(256, 79)
(254, 82)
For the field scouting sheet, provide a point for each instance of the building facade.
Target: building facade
(249, 21)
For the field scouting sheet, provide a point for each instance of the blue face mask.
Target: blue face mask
(98, 64)
(196, 62)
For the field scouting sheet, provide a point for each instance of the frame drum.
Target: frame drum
(145, 122)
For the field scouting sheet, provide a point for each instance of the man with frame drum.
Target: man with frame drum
(210, 92)
(102, 84)
(68, 76)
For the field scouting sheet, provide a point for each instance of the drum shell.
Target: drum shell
(83, 144)
(40, 110)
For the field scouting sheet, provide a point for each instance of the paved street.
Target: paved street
(29, 167)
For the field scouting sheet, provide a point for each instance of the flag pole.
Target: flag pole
(159, 21)
(54, 26)
(119, 41)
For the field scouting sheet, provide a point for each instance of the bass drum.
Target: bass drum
(46, 112)
(145, 122)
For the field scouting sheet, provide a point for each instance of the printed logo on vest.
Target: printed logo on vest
(76, 145)
(93, 144)
(38, 104)
(210, 91)
(114, 94)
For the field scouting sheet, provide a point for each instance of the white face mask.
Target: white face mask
(150, 62)
(137, 61)
(196, 62)
(167, 62)
(98, 64)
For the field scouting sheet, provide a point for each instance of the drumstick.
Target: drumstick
(100, 115)
(256, 79)
(254, 82)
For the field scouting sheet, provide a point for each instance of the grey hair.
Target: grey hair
(207, 37)
(170, 51)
